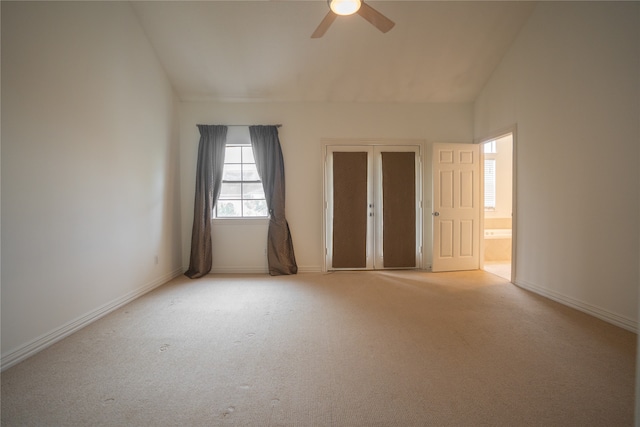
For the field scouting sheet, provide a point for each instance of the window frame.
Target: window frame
(238, 219)
(492, 184)
(490, 147)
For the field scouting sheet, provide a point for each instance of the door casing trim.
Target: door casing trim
(421, 144)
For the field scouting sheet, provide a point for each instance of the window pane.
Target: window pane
(247, 155)
(250, 173)
(232, 155)
(231, 191)
(255, 208)
(252, 191)
(229, 208)
(232, 173)
(241, 193)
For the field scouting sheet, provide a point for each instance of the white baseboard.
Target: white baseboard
(239, 270)
(600, 313)
(259, 270)
(309, 269)
(18, 355)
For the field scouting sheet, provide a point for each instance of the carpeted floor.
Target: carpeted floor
(398, 348)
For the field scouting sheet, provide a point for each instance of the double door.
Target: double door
(373, 215)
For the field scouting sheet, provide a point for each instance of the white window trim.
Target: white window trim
(237, 137)
(486, 175)
(249, 220)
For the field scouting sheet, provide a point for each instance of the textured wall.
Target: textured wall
(89, 166)
(570, 84)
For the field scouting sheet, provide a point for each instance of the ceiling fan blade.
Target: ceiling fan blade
(324, 25)
(377, 19)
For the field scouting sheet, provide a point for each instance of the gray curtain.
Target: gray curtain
(208, 181)
(270, 165)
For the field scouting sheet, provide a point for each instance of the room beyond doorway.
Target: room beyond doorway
(497, 235)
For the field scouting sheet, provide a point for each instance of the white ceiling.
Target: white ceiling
(262, 50)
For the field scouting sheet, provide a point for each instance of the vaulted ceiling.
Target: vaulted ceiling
(438, 51)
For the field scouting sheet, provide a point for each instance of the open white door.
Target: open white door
(456, 207)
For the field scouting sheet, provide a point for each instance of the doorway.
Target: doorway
(497, 233)
(373, 207)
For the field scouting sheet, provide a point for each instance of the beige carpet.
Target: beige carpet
(344, 349)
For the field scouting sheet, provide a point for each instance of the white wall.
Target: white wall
(570, 83)
(89, 168)
(304, 128)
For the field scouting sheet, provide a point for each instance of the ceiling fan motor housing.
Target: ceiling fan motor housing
(344, 7)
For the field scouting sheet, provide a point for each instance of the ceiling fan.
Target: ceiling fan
(349, 7)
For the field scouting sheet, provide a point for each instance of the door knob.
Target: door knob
(436, 214)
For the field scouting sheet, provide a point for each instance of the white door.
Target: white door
(456, 207)
(373, 216)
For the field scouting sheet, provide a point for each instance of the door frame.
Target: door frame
(514, 210)
(371, 143)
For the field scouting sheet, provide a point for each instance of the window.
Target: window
(241, 193)
(489, 184)
(490, 147)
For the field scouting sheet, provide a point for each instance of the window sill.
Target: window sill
(241, 221)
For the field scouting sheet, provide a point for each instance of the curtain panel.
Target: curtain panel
(208, 181)
(270, 165)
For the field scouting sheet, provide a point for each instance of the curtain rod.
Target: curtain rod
(231, 126)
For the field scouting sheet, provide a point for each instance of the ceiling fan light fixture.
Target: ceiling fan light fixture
(344, 7)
